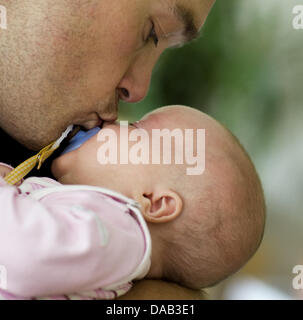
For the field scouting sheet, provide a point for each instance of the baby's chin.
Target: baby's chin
(58, 168)
(63, 169)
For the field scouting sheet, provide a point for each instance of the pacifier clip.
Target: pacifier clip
(16, 175)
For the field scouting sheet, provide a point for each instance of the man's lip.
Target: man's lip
(88, 125)
(112, 115)
(100, 121)
(110, 118)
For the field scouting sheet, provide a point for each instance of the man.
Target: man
(68, 62)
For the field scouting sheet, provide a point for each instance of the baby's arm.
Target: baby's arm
(54, 247)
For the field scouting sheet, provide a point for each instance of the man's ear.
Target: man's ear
(161, 206)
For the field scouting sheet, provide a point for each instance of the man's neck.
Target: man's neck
(13, 153)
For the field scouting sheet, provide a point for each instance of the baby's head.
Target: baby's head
(203, 227)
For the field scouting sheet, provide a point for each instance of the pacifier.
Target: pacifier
(79, 139)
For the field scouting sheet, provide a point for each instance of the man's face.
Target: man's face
(68, 62)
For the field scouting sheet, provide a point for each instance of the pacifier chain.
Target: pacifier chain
(27, 166)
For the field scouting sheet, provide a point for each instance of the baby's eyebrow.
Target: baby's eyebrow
(134, 124)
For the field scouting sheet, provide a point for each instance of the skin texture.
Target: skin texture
(68, 62)
(170, 200)
(153, 183)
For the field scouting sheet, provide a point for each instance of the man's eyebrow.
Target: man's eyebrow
(186, 16)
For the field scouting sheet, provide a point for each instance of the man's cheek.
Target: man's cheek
(126, 40)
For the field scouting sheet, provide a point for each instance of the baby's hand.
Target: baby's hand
(4, 170)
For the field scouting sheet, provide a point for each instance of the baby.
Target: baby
(100, 226)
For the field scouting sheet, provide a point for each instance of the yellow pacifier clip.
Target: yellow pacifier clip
(27, 166)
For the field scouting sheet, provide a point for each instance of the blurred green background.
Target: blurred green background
(247, 71)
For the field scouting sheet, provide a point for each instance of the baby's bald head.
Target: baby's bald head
(203, 227)
(223, 216)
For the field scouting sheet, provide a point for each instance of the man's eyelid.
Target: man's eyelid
(175, 39)
(168, 35)
(162, 33)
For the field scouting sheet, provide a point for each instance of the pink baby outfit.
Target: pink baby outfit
(70, 242)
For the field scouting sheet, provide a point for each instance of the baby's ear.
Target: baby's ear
(161, 206)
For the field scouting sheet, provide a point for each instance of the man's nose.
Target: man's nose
(135, 83)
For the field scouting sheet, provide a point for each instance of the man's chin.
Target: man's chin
(35, 143)
(35, 139)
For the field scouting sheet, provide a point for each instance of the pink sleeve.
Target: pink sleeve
(65, 243)
(2, 182)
